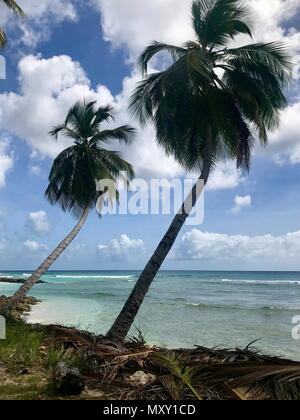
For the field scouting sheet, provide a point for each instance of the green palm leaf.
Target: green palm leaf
(216, 22)
(78, 171)
(174, 366)
(198, 113)
(158, 47)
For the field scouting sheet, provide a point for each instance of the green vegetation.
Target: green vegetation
(82, 176)
(27, 358)
(22, 347)
(136, 371)
(210, 104)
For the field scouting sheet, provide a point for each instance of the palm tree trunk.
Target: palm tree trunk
(33, 279)
(123, 323)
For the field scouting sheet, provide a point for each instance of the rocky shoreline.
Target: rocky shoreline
(134, 370)
(16, 281)
(22, 308)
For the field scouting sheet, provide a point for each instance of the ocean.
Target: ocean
(182, 309)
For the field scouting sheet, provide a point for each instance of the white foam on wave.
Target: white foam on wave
(263, 282)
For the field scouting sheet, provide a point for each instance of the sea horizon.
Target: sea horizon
(163, 270)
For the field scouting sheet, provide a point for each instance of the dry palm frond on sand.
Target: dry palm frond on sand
(200, 373)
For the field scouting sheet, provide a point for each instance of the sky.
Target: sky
(72, 49)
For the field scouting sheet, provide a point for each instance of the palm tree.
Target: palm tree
(210, 103)
(14, 7)
(79, 171)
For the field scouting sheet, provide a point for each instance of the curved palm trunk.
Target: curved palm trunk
(33, 279)
(123, 323)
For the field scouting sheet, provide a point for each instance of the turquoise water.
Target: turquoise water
(223, 309)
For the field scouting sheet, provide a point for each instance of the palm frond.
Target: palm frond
(14, 7)
(195, 112)
(123, 134)
(274, 55)
(155, 48)
(103, 114)
(276, 380)
(172, 364)
(77, 172)
(65, 131)
(3, 38)
(218, 21)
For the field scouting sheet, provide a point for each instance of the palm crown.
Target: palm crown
(77, 171)
(14, 7)
(212, 101)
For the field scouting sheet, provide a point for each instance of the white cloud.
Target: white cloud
(240, 203)
(36, 170)
(34, 246)
(6, 160)
(284, 144)
(199, 245)
(39, 222)
(48, 87)
(123, 248)
(225, 176)
(275, 17)
(55, 84)
(149, 160)
(134, 24)
(41, 16)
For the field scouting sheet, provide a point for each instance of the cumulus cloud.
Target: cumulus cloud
(48, 87)
(41, 17)
(130, 25)
(149, 160)
(36, 170)
(123, 248)
(39, 222)
(133, 24)
(55, 84)
(6, 160)
(284, 144)
(225, 176)
(276, 19)
(34, 246)
(240, 203)
(205, 246)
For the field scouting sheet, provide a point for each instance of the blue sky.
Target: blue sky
(71, 49)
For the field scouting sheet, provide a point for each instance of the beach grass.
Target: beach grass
(21, 347)
(136, 371)
(27, 362)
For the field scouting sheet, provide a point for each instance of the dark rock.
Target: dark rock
(23, 372)
(17, 281)
(68, 380)
(21, 308)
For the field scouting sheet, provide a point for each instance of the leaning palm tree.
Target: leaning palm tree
(83, 175)
(210, 103)
(14, 7)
